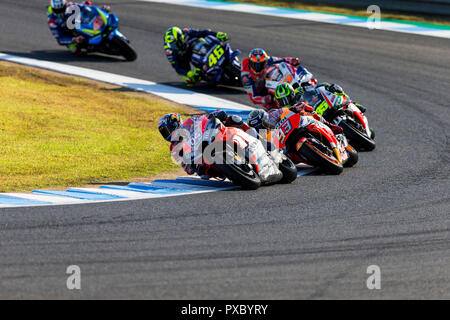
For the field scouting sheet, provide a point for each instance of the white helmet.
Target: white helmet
(259, 119)
(58, 6)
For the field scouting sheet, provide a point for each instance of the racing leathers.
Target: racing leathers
(303, 109)
(333, 88)
(180, 58)
(255, 83)
(62, 26)
(176, 146)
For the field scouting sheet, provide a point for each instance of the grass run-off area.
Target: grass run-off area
(385, 14)
(60, 131)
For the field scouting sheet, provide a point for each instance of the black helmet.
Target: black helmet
(168, 124)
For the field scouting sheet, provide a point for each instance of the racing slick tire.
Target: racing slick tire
(241, 175)
(352, 157)
(289, 171)
(356, 137)
(316, 158)
(125, 49)
(234, 75)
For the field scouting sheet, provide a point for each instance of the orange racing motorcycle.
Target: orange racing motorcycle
(310, 141)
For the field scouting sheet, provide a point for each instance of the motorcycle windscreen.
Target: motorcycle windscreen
(91, 21)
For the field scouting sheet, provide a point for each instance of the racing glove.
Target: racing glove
(192, 77)
(295, 62)
(222, 36)
(219, 114)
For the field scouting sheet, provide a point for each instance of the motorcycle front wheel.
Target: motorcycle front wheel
(289, 171)
(125, 49)
(233, 75)
(357, 138)
(316, 158)
(352, 157)
(241, 175)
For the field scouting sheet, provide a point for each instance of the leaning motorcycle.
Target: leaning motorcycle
(217, 61)
(335, 108)
(102, 31)
(283, 72)
(340, 110)
(231, 153)
(311, 142)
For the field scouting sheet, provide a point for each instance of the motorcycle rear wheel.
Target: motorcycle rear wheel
(316, 158)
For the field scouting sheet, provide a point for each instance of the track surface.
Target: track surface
(312, 239)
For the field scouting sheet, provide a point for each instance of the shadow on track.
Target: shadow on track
(206, 88)
(63, 56)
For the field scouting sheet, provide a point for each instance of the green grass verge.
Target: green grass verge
(423, 20)
(60, 131)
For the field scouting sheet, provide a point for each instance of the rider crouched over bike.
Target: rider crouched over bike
(288, 101)
(178, 48)
(174, 129)
(253, 75)
(60, 15)
(287, 97)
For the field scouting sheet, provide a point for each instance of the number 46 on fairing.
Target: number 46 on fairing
(215, 56)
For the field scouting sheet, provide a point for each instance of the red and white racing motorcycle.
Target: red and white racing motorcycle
(334, 107)
(229, 152)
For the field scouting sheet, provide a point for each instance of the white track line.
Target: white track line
(404, 27)
(181, 96)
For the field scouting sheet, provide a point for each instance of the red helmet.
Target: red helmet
(258, 60)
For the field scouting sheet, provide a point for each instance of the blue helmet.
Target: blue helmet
(168, 124)
(258, 119)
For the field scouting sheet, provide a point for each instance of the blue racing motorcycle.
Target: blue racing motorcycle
(102, 31)
(218, 63)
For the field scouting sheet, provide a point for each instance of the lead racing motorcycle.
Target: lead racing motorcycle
(231, 153)
(217, 61)
(335, 107)
(102, 31)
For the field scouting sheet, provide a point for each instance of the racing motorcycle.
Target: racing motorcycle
(218, 63)
(335, 108)
(311, 142)
(340, 110)
(102, 31)
(229, 152)
(285, 73)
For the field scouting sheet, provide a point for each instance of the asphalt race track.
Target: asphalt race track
(312, 239)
